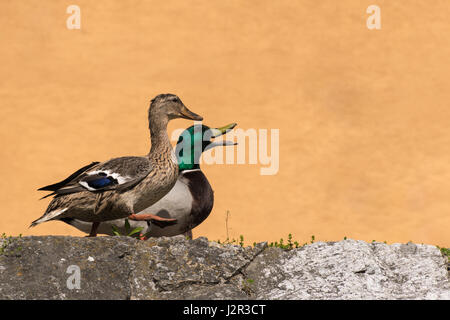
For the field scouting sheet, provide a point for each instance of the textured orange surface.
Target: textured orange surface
(364, 115)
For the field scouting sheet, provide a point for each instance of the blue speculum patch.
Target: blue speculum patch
(100, 183)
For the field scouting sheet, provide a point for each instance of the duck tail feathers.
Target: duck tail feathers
(47, 217)
(59, 185)
(48, 195)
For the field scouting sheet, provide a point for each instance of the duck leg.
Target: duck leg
(94, 229)
(147, 217)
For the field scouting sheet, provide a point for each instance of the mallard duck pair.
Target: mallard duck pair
(189, 202)
(121, 187)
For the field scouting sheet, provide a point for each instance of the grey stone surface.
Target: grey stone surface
(351, 269)
(36, 268)
(176, 268)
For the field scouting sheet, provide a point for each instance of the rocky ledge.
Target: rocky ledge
(54, 267)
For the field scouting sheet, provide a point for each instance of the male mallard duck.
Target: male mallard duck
(191, 199)
(120, 187)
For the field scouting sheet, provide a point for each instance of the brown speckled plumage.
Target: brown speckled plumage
(129, 184)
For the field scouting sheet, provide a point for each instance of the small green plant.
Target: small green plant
(136, 232)
(286, 246)
(445, 251)
(241, 240)
(6, 241)
(234, 241)
(246, 286)
(228, 240)
(290, 243)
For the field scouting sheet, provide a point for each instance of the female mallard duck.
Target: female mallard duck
(191, 199)
(120, 187)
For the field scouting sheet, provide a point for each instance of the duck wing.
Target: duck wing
(58, 185)
(116, 174)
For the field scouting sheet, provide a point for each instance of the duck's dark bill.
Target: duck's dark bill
(188, 114)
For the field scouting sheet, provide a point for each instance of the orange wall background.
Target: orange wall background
(363, 114)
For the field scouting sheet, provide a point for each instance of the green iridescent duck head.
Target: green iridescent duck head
(195, 140)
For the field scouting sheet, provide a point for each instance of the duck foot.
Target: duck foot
(142, 237)
(94, 229)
